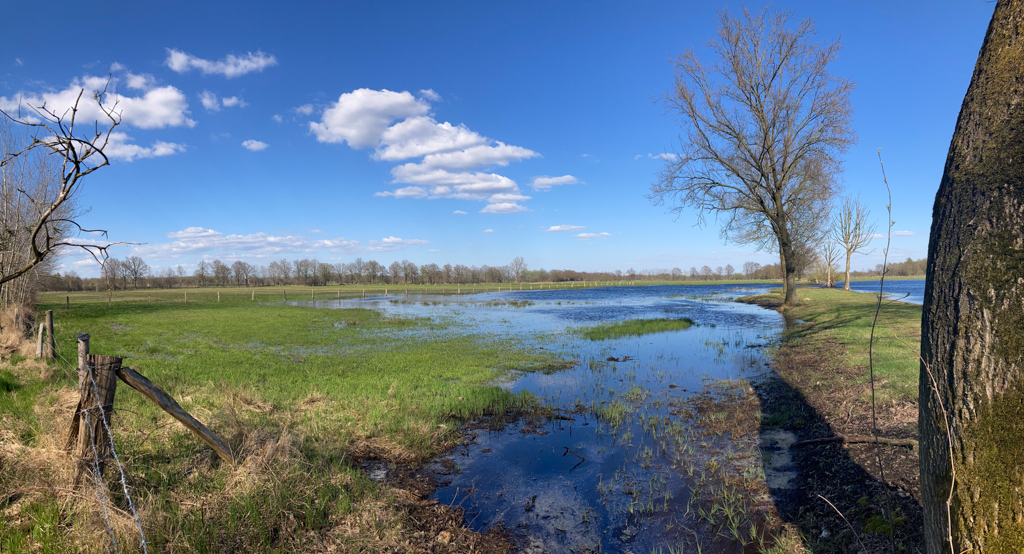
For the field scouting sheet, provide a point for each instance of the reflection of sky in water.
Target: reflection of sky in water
(527, 479)
(910, 290)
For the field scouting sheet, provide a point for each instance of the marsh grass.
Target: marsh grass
(301, 395)
(635, 327)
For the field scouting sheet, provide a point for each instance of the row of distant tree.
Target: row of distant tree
(134, 273)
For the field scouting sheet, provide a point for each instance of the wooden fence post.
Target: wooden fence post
(285, 294)
(51, 346)
(39, 344)
(97, 383)
(254, 295)
(186, 297)
(67, 302)
(312, 294)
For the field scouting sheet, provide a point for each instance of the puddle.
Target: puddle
(651, 450)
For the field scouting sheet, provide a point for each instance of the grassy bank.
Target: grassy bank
(301, 395)
(635, 327)
(841, 321)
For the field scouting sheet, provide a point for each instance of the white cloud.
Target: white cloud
(19, 62)
(446, 184)
(903, 233)
(429, 94)
(565, 228)
(232, 101)
(459, 212)
(588, 236)
(305, 109)
(478, 156)
(254, 145)
(665, 156)
(360, 117)
(139, 82)
(506, 197)
(120, 148)
(405, 192)
(116, 66)
(231, 66)
(208, 242)
(488, 230)
(421, 136)
(209, 101)
(157, 108)
(277, 118)
(545, 182)
(503, 208)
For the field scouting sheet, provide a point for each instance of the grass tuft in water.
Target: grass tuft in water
(636, 327)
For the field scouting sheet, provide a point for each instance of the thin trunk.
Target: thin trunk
(846, 284)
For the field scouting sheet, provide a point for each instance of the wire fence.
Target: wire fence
(96, 462)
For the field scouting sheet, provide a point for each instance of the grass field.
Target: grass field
(635, 327)
(845, 318)
(300, 394)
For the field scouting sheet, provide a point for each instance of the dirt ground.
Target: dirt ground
(845, 498)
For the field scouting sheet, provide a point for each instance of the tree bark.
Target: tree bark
(972, 339)
(846, 283)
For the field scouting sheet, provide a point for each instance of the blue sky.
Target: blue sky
(453, 132)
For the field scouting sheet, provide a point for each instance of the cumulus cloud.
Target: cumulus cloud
(405, 192)
(305, 109)
(545, 182)
(158, 108)
(120, 148)
(503, 208)
(139, 82)
(478, 156)
(429, 94)
(230, 67)
(277, 118)
(213, 104)
(588, 236)
(459, 212)
(360, 117)
(254, 145)
(209, 242)
(462, 185)
(903, 233)
(565, 228)
(421, 135)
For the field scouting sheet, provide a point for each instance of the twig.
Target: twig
(859, 439)
(855, 534)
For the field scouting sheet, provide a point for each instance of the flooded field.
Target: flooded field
(654, 446)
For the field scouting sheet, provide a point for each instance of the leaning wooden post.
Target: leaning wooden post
(51, 347)
(218, 296)
(312, 293)
(67, 302)
(285, 294)
(253, 295)
(39, 343)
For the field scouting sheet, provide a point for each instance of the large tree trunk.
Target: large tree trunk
(972, 339)
(788, 269)
(846, 283)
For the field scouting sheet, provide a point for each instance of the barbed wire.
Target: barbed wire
(101, 493)
(116, 458)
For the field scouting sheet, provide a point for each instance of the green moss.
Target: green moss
(996, 474)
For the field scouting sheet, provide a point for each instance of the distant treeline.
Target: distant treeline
(134, 273)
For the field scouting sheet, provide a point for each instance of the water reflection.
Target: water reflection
(632, 460)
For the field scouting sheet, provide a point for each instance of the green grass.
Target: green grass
(845, 318)
(635, 327)
(299, 393)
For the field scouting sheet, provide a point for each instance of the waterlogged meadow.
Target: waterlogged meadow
(653, 445)
(610, 419)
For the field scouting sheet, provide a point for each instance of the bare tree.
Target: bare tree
(972, 369)
(828, 257)
(243, 272)
(40, 177)
(134, 268)
(764, 127)
(851, 229)
(518, 268)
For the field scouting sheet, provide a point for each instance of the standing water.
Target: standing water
(640, 457)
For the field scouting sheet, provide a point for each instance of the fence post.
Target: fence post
(285, 294)
(312, 293)
(39, 344)
(254, 295)
(67, 302)
(218, 296)
(51, 345)
(186, 297)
